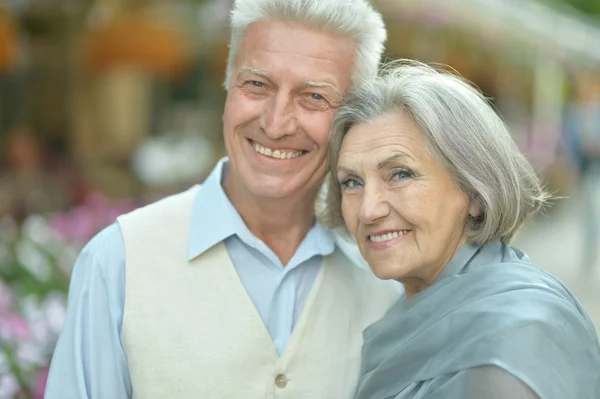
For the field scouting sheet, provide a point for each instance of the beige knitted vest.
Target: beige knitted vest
(191, 331)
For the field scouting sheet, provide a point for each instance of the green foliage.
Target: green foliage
(591, 7)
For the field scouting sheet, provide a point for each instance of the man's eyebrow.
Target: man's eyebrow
(308, 83)
(255, 71)
(312, 83)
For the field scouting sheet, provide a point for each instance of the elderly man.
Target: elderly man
(232, 289)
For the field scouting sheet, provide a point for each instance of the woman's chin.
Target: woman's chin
(384, 272)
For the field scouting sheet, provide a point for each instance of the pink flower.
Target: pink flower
(81, 223)
(39, 385)
(14, 326)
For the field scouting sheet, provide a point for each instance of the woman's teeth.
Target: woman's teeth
(388, 236)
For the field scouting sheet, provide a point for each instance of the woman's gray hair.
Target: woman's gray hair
(462, 132)
(355, 19)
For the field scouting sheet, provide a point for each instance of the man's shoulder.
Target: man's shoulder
(108, 240)
(157, 221)
(167, 207)
(103, 255)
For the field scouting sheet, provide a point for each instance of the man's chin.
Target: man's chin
(280, 187)
(275, 190)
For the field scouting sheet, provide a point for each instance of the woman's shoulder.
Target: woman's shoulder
(513, 271)
(515, 292)
(501, 311)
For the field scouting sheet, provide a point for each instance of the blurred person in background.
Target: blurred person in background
(232, 289)
(28, 184)
(430, 183)
(582, 136)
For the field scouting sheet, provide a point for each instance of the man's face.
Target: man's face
(287, 84)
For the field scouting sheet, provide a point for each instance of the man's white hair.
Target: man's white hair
(355, 19)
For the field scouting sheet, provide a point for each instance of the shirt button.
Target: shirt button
(281, 381)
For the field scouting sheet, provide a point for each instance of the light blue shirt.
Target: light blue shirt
(89, 360)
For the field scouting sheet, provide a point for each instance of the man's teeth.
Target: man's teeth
(388, 236)
(275, 153)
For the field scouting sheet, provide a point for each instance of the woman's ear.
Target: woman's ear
(474, 209)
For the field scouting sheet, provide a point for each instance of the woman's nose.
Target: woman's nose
(373, 206)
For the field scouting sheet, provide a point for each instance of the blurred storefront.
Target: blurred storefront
(529, 57)
(97, 82)
(102, 83)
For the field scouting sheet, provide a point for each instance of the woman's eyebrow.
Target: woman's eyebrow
(391, 161)
(345, 170)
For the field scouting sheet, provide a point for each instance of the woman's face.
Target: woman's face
(404, 209)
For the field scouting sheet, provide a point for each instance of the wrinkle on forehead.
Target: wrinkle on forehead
(316, 56)
(361, 146)
(325, 58)
(327, 67)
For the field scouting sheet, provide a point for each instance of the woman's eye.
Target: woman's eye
(350, 183)
(402, 174)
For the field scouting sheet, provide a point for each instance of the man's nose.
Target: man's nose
(373, 206)
(279, 117)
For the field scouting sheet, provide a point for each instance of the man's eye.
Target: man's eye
(316, 96)
(256, 83)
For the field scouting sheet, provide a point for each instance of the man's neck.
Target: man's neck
(281, 223)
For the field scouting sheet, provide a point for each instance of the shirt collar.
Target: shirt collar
(214, 219)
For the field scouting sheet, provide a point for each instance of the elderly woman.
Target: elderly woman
(431, 185)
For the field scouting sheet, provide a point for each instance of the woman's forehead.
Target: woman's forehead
(384, 137)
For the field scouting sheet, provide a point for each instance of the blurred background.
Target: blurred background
(106, 105)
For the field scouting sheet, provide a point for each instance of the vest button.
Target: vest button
(281, 381)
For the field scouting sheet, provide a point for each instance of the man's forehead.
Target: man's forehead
(294, 51)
